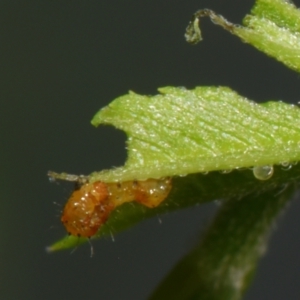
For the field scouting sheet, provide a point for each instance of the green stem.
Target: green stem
(222, 265)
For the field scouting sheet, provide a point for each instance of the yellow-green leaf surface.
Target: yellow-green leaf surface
(184, 131)
(272, 27)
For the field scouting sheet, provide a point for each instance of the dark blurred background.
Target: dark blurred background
(61, 61)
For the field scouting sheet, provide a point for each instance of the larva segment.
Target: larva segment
(89, 207)
(120, 192)
(152, 192)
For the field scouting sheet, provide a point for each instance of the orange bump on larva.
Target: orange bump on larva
(152, 192)
(89, 207)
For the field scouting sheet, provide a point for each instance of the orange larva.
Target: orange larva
(89, 207)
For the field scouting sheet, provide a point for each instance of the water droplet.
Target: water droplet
(263, 172)
(286, 168)
(285, 163)
(226, 171)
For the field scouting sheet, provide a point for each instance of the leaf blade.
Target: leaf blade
(209, 128)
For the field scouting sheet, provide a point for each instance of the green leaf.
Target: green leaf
(283, 13)
(184, 131)
(273, 27)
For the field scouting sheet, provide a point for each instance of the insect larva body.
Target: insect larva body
(89, 206)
